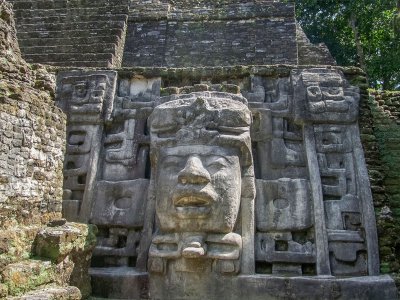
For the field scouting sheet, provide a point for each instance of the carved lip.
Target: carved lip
(192, 203)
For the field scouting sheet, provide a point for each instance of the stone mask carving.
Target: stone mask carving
(198, 188)
(201, 151)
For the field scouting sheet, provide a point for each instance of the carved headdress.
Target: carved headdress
(203, 118)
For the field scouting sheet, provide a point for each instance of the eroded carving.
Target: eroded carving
(87, 98)
(202, 174)
(324, 95)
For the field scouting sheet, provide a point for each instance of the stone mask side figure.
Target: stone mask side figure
(201, 169)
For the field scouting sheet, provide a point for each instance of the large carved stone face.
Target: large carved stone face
(198, 188)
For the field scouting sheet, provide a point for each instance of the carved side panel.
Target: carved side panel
(328, 107)
(121, 192)
(277, 140)
(87, 98)
(284, 242)
(127, 140)
(347, 246)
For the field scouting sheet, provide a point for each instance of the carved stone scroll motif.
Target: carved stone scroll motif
(87, 98)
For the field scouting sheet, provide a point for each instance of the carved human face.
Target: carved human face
(198, 188)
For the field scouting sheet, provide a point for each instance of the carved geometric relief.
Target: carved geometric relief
(87, 99)
(278, 146)
(126, 151)
(335, 159)
(285, 254)
(348, 253)
(86, 96)
(269, 93)
(287, 144)
(76, 167)
(283, 204)
(343, 214)
(120, 203)
(325, 96)
(116, 247)
(217, 253)
(79, 138)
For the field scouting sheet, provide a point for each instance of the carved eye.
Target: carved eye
(314, 94)
(333, 92)
(314, 91)
(217, 165)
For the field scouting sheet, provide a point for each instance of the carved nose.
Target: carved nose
(194, 172)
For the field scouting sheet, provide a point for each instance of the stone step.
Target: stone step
(71, 18)
(103, 25)
(105, 48)
(64, 4)
(51, 293)
(69, 57)
(101, 39)
(27, 275)
(119, 283)
(84, 11)
(80, 64)
(69, 33)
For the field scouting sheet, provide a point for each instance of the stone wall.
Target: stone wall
(87, 33)
(381, 137)
(32, 143)
(208, 33)
(312, 54)
(31, 140)
(72, 32)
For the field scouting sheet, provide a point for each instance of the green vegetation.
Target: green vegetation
(365, 33)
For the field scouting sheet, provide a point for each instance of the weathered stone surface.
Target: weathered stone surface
(308, 166)
(51, 293)
(312, 54)
(72, 33)
(379, 128)
(166, 161)
(56, 243)
(32, 142)
(31, 139)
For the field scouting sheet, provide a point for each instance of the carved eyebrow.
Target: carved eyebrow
(165, 132)
(166, 128)
(172, 158)
(220, 161)
(231, 130)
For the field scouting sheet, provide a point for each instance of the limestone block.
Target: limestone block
(51, 293)
(120, 203)
(284, 204)
(56, 243)
(27, 275)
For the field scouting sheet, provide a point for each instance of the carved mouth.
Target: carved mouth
(191, 201)
(192, 204)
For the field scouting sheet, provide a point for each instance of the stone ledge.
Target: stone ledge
(261, 287)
